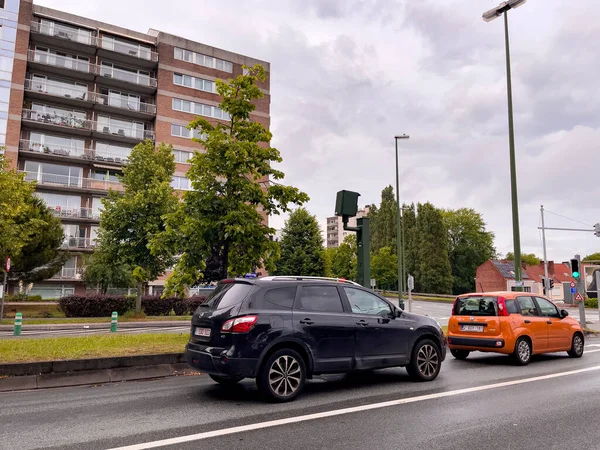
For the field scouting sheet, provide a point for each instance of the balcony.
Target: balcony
(78, 243)
(67, 273)
(123, 51)
(57, 64)
(43, 89)
(52, 121)
(70, 183)
(114, 76)
(122, 132)
(70, 153)
(68, 37)
(66, 213)
(127, 106)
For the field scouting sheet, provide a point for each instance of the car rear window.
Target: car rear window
(228, 294)
(475, 306)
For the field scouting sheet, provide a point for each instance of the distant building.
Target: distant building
(335, 227)
(278, 235)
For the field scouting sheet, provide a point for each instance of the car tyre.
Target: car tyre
(425, 362)
(460, 354)
(576, 346)
(522, 352)
(224, 380)
(282, 376)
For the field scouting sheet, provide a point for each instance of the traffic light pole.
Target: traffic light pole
(581, 289)
(546, 279)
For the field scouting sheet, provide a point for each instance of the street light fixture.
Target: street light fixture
(488, 16)
(399, 240)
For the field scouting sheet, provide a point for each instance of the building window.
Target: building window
(525, 288)
(200, 84)
(182, 131)
(182, 156)
(200, 108)
(203, 60)
(180, 183)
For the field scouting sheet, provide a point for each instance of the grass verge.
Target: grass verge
(82, 347)
(84, 320)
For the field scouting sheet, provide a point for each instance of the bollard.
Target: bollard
(113, 322)
(18, 323)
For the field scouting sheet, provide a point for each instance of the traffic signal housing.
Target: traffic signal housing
(575, 273)
(551, 283)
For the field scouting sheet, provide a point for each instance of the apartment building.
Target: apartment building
(76, 95)
(335, 227)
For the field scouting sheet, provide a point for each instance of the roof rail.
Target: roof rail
(300, 278)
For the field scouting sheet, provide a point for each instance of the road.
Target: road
(484, 402)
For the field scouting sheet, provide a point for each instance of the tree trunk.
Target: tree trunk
(138, 300)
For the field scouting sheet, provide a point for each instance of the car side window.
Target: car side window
(547, 308)
(511, 307)
(320, 299)
(366, 303)
(527, 306)
(280, 298)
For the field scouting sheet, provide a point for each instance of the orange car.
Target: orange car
(513, 323)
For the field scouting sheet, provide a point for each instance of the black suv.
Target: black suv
(283, 330)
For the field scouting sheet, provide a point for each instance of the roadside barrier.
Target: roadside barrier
(113, 322)
(18, 323)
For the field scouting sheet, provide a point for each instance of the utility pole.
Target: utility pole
(399, 233)
(576, 273)
(546, 279)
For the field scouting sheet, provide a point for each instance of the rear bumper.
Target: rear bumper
(489, 344)
(200, 359)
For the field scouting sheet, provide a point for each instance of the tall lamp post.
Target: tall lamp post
(488, 16)
(399, 240)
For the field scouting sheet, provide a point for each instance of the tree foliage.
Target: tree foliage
(302, 251)
(132, 219)
(344, 264)
(528, 258)
(383, 222)
(102, 273)
(220, 217)
(384, 268)
(470, 245)
(592, 257)
(328, 256)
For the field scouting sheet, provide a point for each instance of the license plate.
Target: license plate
(202, 332)
(478, 328)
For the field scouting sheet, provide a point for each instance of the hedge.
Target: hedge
(95, 305)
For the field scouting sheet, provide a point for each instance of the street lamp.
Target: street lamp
(399, 240)
(488, 16)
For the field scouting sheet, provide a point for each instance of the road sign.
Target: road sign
(411, 282)
(373, 283)
(7, 264)
(573, 290)
(573, 284)
(578, 297)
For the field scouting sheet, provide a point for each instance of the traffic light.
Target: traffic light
(597, 230)
(544, 285)
(575, 268)
(551, 283)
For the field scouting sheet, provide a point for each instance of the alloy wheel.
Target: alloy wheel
(524, 351)
(578, 344)
(285, 375)
(427, 360)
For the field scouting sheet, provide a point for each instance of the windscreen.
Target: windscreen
(227, 294)
(476, 306)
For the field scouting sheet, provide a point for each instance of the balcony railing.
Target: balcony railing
(68, 273)
(65, 62)
(78, 213)
(63, 32)
(48, 179)
(57, 89)
(129, 77)
(125, 131)
(125, 103)
(137, 51)
(78, 242)
(53, 149)
(68, 120)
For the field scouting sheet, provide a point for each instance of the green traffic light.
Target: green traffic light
(575, 274)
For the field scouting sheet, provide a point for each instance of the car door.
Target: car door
(536, 326)
(381, 338)
(321, 321)
(559, 331)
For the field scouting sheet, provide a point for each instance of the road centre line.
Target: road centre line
(355, 409)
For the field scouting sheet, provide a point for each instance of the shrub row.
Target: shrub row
(103, 305)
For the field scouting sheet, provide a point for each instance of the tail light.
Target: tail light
(454, 306)
(502, 310)
(239, 324)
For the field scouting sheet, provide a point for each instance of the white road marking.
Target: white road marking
(339, 412)
(592, 345)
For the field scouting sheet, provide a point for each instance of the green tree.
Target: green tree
(302, 251)
(470, 245)
(328, 257)
(528, 258)
(15, 195)
(220, 217)
(40, 258)
(101, 272)
(344, 263)
(383, 222)
(435, 272)
(592, 257)
(384, 268)
(132, 219)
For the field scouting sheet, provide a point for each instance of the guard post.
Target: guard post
(113, 322)
(18, 324)
(346, 206)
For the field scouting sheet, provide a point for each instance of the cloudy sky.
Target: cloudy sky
(348, 75)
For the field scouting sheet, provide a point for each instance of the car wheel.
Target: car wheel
(460, 354)
(426, 361)
(225, 381)
(522, 352)
(282, 376)
(576, 346)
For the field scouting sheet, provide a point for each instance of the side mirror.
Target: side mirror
(563, 313)
(397, 312)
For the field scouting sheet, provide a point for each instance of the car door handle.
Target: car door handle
(549, 322)
(307, 321)
(364, 323)
(528, 321)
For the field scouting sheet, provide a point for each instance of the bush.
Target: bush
(157, 306)
(187, 306)
(591, 303)
(23, 298)
(95, 305)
